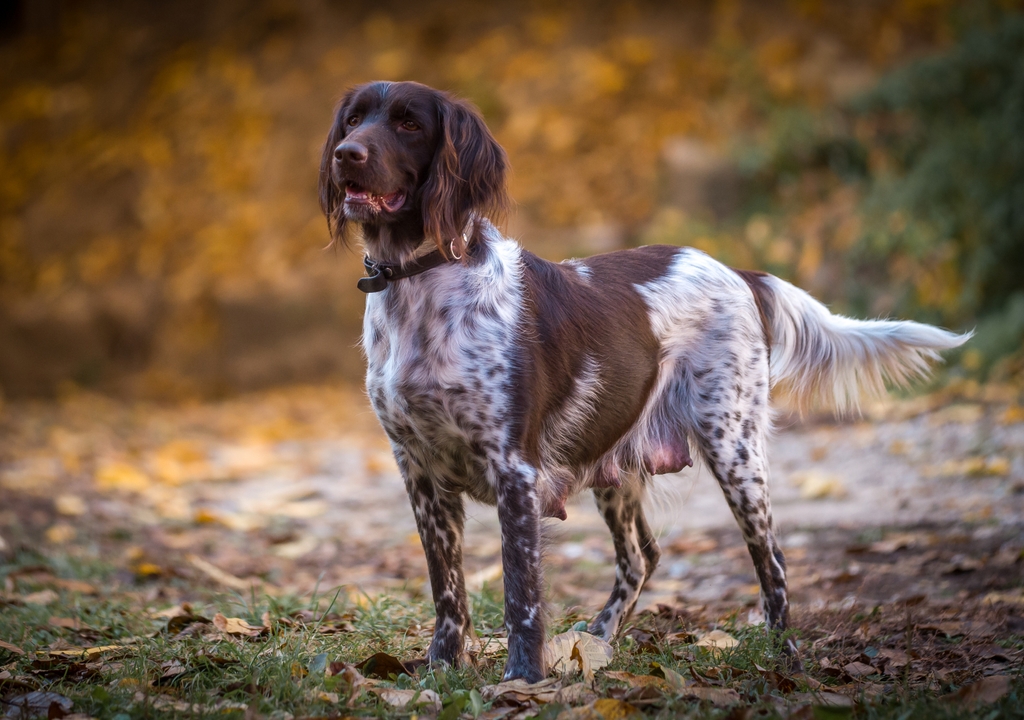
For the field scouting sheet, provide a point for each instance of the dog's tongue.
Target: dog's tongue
(393, 201)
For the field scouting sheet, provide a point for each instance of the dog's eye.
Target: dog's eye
(352, 121)
(410, 125)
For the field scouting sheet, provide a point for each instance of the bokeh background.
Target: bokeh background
(159, 231)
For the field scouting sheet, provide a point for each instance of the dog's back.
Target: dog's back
(518, 381)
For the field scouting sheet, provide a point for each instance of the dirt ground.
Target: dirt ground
(918, 508)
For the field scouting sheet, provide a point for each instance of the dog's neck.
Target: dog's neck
(394, 244)
(398, 245)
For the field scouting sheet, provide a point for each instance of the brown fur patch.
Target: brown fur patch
(755, 279)
(599, 315)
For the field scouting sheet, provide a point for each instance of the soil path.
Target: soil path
(297, 487)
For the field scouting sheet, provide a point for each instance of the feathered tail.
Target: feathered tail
(835, 361)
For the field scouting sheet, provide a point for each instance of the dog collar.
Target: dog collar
(379, 274)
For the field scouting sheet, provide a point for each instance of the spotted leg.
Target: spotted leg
(732, 436)
(440, 518)
(519, 512)
(636, 555)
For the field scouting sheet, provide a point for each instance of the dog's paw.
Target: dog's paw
(444, 653)
(522, 671)
(790, 658)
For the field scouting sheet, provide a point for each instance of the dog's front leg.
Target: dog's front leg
(519, 515)
(440, 518)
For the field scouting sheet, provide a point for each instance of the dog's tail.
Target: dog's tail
(834, 361)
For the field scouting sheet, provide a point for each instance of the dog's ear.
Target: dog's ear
(332, 198)
(467, 175)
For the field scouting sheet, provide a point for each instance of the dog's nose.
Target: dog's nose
(351, 151)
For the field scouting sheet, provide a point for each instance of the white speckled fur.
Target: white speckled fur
(441, 349)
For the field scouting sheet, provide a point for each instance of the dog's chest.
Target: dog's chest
(439, 361)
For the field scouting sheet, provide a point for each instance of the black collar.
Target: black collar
(382, 273)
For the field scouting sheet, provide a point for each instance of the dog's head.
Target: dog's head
(412, 160)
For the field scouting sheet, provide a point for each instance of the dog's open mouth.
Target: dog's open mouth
(358, 195)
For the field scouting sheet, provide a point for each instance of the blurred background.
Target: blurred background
(180, 382)
(159, 231)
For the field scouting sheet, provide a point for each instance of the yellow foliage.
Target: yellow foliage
(121, 476)
(204, 174)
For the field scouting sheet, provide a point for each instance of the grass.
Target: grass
(157, 672)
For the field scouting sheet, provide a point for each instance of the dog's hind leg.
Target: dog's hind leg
(732, 425)
(636, 554)
(440, 519)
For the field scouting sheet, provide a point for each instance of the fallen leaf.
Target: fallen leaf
(893, 543)
(121, 476)
(591, 653)
(780, 682)
(43, 597)
(718, 639)
(13, 648)
(679, 637)
(520, 691)
(714, 695)
(676, 682)
(602, 709)
(576, 694)
(491, 646)
(79, 586)
(963, 413)
(353, 680)
(987, 690)
(63, 622)
(859, 669)
(180, 617)
(85, 653)
(381, 665)
(637, 680)
(489, 574)
(1012, 414)
(816, 485)
(72, 505)
(182, 610)
(148, 570)
(38, 704)
(237, 626)
(895, 658)
(975, 466)
(573, 651)
(826, 699)
(399, 697)
(171, 669)
(692, 545)
(224, 578)
(183, 707)
(10, 681)
(60, 533)
(1009, 597)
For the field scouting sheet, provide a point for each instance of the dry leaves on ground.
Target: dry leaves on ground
(237, 626)
(13, 648)
(718, 640)
(417, 698)
(517, 692)
(575, 651)
(38, 704)
(987, 690)
(381, 665)
(602, 709)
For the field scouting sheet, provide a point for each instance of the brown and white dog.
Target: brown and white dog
(520, 382)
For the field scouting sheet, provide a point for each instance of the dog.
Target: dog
(520, 382)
